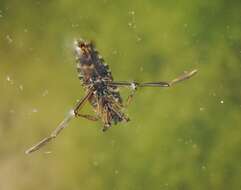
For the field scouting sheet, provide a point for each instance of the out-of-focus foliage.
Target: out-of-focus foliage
(184, 138)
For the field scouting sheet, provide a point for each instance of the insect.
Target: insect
(101, 91)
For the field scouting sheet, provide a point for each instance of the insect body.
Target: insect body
(95, 76)
(101, 91)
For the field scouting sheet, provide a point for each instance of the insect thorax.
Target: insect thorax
(92, 70)
(90, 65)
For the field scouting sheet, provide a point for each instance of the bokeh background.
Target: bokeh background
(183, 138)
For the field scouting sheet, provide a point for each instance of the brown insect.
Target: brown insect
(101, 91)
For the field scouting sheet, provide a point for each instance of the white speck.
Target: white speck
(130, 24)
(116, 172)
(47, 152)
(132, 13)
(21, 87)
(204, 168)
(8, 78)
(138, 39)
(34, 110)
(9, 39)
(45, 93)
(75, 42)
(71, 113)
(221, 101)
(74, 25)
(25, 30)
(201, 109)
(100, 57)
(133, 86)
(78, 49)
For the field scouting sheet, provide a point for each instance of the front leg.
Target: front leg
(61, 126)
(89, 117)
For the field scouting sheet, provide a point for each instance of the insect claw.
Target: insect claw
(104, 129)
(106, 126)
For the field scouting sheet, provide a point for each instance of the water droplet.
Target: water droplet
(130, 24)
(204, 168)
(9, 39)
(21, 87)
(138, 39)
(45, 93)
(9, 79)
(34, 110)
(131, 13)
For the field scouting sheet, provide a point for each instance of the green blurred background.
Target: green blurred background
(183, 138)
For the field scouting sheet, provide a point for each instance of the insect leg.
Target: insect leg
(80, 104)
(130, 97)
(121, 115)
(86, 116)
(89, 117)
(182, 77)
(106, 119)
(61, 126)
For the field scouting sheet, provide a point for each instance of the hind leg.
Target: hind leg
(106, 127)
(106, 118)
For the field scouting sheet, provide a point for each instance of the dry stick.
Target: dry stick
(61, 126)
